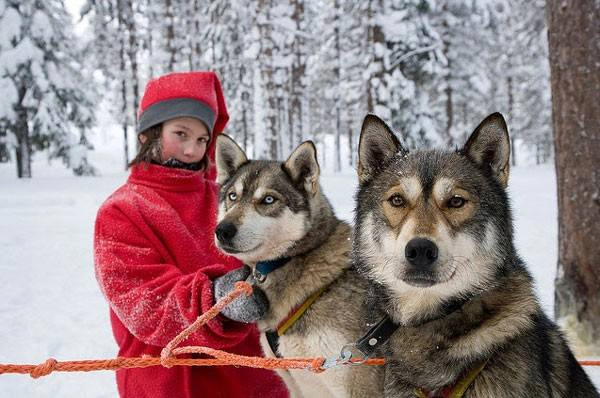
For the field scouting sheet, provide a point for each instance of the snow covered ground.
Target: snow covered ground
(50, 305)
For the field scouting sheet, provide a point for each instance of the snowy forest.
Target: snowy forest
(73, 72)
(292, 70)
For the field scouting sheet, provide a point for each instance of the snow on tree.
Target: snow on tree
(407, 64)
(47, 101)
(352, 83)
(233, 56)
(298, 128)
(312, 69)
(324, 78)
(531, 113)
(461, 25)
(267, 102)
(496, 61)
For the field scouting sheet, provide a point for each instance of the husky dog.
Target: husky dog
(269, 211)
(434, 236)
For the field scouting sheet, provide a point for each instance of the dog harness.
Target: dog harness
(290, 320)
(456, 390)
(383, 330)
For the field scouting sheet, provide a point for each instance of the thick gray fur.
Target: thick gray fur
(496, 318)
(319, 258)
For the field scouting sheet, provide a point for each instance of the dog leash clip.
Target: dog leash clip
(342, 359)
(354, 354)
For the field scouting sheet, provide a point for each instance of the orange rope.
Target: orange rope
(168, 359)
(589, 363)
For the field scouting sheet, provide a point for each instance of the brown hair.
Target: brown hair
(150, 149)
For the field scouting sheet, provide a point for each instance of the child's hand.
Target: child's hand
(246, 309)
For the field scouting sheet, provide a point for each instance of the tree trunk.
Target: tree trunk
(123, 77)
(23, 155)
(132, 54)
(337, 164)
(575, 80)
(511, 102)
(150, 43)
(350, 145)
(448, 77)
(449, 111)
(376, 40)
(196, 50)
(298, 80)
(171, 48)
(267, 72)
(244, 130)
(23, 149)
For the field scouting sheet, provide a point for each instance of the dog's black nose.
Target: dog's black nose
(225, 232)
(421, 252)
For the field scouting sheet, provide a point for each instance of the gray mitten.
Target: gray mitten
(246, 309)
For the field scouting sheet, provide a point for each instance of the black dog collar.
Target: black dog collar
(376, 336)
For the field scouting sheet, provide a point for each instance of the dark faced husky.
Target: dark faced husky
(434, 235)
(274, 217)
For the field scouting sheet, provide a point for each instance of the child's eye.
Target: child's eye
(180, 133)
(202, 140)
(269, 200)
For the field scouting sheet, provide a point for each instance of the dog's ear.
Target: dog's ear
(489, 147)
(377, 144)
(228, 157)
(303, 168)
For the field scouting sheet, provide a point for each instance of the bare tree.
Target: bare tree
(120, 10)
(298, 77)
(267, 75)
(573, 35)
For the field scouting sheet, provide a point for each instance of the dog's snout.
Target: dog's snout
(421, 252)
(225, 232)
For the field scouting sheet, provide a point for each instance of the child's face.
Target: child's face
(185, 139)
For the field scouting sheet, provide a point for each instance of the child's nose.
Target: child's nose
(189, 150)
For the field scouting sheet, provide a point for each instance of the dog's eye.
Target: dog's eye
(269, 200)
(232, 196)
(396, 200)
(456, 202)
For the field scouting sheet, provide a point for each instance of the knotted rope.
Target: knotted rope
(168, 355)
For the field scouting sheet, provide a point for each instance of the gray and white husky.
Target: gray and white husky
(269, 211)
(434, 236)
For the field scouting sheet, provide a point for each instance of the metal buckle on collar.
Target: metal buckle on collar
(258, 277)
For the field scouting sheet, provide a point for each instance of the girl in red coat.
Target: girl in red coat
(154, 251)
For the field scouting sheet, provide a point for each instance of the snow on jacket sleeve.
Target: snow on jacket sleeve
(155, 300)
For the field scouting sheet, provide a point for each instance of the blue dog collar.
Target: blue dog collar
(264, 268)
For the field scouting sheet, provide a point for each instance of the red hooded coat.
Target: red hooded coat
(155, 261)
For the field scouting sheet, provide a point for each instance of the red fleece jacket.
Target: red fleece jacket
(155, 261)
